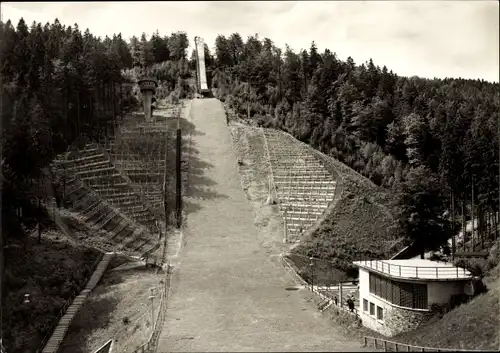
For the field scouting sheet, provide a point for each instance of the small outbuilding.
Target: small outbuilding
(397, 296)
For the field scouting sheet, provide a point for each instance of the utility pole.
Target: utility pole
(152, 297)
(165, 199)
(311, 263)
(285, 225)
(1, 233)
(178, 176)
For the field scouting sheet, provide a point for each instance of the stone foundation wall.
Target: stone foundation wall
(395, 319)
(401, 320)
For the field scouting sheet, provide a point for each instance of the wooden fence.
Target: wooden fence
(391, 346)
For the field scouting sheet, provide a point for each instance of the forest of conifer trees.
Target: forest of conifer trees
(58, 85)
(432, 142)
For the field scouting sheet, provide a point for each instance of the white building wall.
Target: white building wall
(441, 292)
(368, 320)
(398, 319)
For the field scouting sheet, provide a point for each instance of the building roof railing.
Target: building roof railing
(441, 272)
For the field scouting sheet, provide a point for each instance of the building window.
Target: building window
(372, 309)
(405, 294)
(380, 313)
(365, 305)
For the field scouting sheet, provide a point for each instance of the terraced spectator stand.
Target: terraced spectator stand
(97, 213)
(138, 151)
(94, 167)
(58, 335)
(303, 186)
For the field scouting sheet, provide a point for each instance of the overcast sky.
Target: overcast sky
(424, 38)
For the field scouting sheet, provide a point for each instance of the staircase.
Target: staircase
(60, 331)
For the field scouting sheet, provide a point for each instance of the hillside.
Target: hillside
(360, 225)
(50, 273)
(473, 325)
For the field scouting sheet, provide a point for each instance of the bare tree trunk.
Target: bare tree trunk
(248, 102)
(453, 225)
(488, 222)
(464, 225)
(66, 112)
(78, 113)
(472, 214)
(495, 215)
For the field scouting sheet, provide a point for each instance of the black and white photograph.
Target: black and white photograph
(250, 176)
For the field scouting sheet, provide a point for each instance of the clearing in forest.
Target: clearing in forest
(229, 292)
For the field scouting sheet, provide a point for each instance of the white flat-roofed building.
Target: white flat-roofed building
(397, 295)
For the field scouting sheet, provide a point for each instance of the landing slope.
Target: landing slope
(228, 293)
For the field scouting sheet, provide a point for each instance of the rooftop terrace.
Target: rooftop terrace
(416, 269)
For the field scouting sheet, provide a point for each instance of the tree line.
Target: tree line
(432, 142)
(58, 84)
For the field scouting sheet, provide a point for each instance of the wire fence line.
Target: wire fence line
(151, 344)
(391, 346)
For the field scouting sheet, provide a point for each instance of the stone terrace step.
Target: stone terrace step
(299, 169)
(305, 191)
(306, 182)
(282, 177)
(309, 205)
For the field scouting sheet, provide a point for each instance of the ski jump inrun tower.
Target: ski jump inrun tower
(201, 74)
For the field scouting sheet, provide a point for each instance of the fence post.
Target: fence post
(396, 347)
(457, 271)
(364, 339)
(399, 270)
(340, 294)
(437, 276)
(385, 346)
(416, 271)
(375, 343)
(422, 349)
(408, 348)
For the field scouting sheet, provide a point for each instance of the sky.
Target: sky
(423, 38)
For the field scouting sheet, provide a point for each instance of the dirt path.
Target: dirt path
(228, 293)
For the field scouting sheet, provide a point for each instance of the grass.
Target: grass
(49, 272)
(117, 308)
(473, 325)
